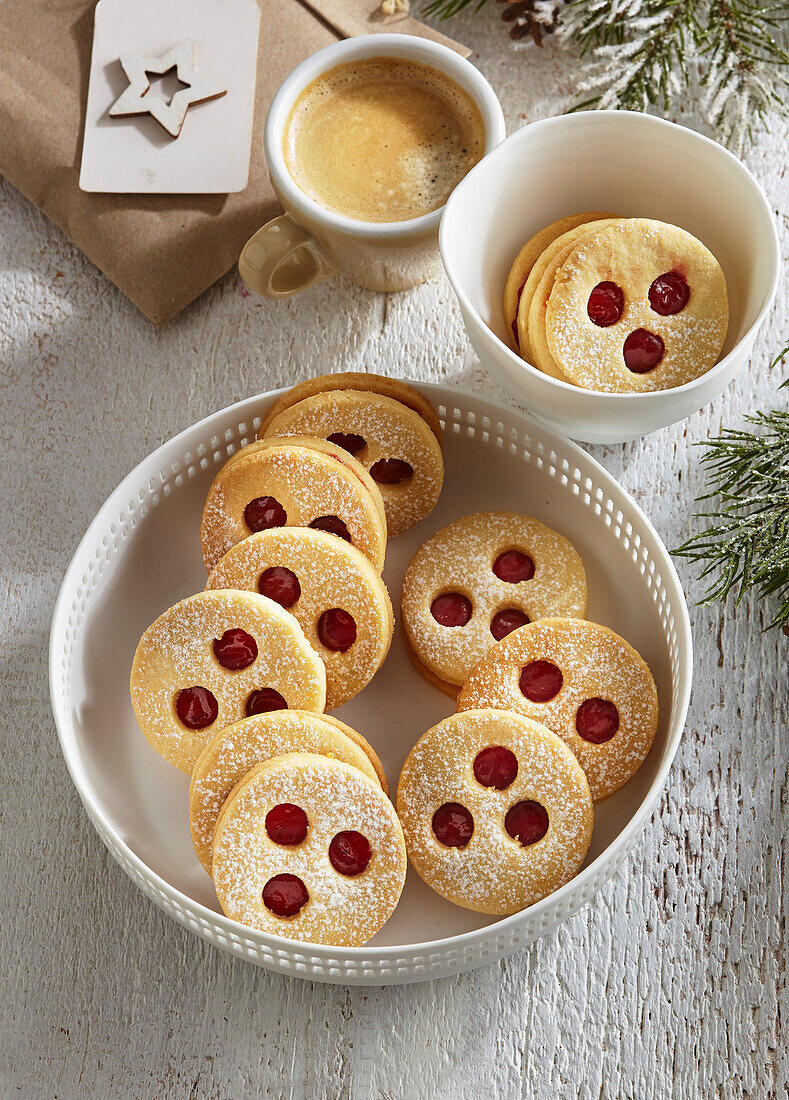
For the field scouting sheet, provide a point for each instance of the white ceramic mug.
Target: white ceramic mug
(308, 242)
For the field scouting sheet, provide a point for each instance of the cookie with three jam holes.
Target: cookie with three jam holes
(296, 482)
(362, 381)
(214, 659)
(478, 579)
(495, 810)
(237, 749)
(639, 305)
(339, 599)
(393, 443)
(585, 683)
(525, 261)
(310, 849)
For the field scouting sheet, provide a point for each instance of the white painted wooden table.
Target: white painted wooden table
(670, 983)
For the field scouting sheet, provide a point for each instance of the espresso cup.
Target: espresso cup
(308, 242)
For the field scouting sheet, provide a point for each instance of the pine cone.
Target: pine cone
(523, 15)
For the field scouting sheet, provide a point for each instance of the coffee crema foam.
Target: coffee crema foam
(382, 140)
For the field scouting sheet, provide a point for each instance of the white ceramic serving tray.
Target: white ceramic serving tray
(141, 554)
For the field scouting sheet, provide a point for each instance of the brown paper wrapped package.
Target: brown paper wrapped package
(161, 250)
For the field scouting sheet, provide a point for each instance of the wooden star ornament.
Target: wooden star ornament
(135, 100)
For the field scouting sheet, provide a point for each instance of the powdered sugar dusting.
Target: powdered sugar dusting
(176, 652)
(331, 574)
(459, 558)
(391, 430)
(341, 910)
(594, 662)
(238, 748)
(307, 482)
(494, 873)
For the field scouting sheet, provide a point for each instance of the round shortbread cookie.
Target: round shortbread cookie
(334, 592)
(237, 749)
(391, 441)
(213, 659)
(525, 260)
(495, 810)
(582, 681)
(670, 309)
(535, 277)
(477, 579)
(296, 483)
(365, 383)
(339, 875)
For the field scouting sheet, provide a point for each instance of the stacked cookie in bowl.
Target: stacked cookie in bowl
(231, 685)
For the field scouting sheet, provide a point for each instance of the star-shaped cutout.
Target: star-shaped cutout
(135, 99)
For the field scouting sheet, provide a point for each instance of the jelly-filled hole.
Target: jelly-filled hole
(541, 681)
(349, 853)
(262, 700)
(597, 720)
(451, 609)
(235, 649)
(453, 825)
(390, 471)
(263, 513)
(285, 895)
(279, 584)
(286, 824)
(333, 525)
(349, 441)
(527, 822)
(495, 766)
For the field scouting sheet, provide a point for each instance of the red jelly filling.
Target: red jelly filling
(333, 524)
(349, 441)
(196, 707)
(527, 822)
(337, 629)
(349, 853)
(605, 305)
(513, 566)
(451, 609)
(280, 585)
(264, 512)
(453, 825)
(496, 767)
(286, 824)
(504, 622)
(235, 649)
(284, 895)
(643, 350)
(669, 293)
(541, 681)
(264, 699)
(597, 720)
(390, 471)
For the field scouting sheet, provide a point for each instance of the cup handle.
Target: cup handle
(282, 259)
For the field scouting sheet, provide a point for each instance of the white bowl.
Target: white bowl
(630, 164)
(141, 554)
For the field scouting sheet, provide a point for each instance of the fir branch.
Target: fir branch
(446, 8)
(746, 546)
(638, 50)
(652, 54)
(745, 67)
